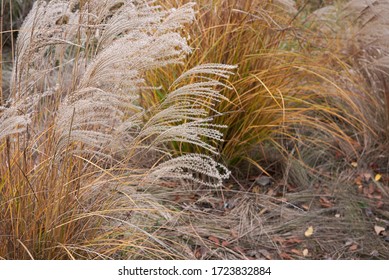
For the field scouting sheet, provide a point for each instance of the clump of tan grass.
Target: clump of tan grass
(355, 32)
(368, 25)
(74, 130)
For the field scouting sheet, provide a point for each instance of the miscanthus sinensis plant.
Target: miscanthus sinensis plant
(75, 122)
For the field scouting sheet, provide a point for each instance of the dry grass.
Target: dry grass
(73, 130)
(370, 54)
(240, 224)
(289, 90)
(355, 31)
(300, 108)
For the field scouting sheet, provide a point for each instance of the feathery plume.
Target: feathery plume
(85, 63)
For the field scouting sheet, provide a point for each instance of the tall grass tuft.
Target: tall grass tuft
(76, 142)
(289, 92)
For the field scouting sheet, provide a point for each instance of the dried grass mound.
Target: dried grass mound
(75, 124)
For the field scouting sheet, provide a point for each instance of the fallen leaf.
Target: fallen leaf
(305, 207)
(325, 203)
(197, 254)
(305, 252)
(377, 177)
(354, 164)
(378, 230)
(214, 239)
(309, 232)
(225, 243)
(200, 252)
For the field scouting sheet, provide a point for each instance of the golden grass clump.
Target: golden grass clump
(288, 93)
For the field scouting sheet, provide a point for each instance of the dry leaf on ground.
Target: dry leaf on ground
(377, 177)
(378, 229)
(325, 203)
(305, 252)
(309, 232)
